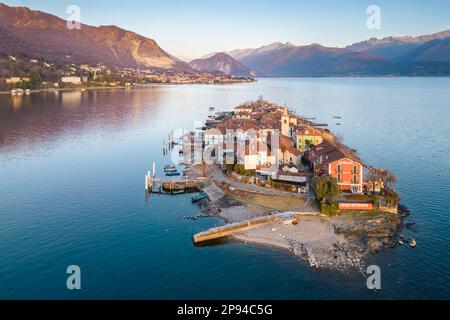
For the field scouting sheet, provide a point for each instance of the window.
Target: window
(339, 168)
(355, 179)
(339, 178)
(355, 169)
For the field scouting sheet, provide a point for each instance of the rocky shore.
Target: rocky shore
(341, 243)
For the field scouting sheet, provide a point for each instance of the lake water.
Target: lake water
(72, 171)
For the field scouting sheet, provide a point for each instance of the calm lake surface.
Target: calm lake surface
(72, 171)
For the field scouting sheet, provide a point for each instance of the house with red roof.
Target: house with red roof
(338, 162)
(306, 137)
(288, 153)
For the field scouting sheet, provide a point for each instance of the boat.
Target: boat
(212, 109)
(28, 91)
(400, 242)
(337, 117)
(199, 197)
(413, 243)
(338, 124)
(169, 168)
(173, 174)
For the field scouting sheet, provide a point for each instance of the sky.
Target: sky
(191, 29)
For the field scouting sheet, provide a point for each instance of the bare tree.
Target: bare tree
(338, 138)
(389, 179)
(373, 176)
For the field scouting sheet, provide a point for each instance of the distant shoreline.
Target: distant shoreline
(146, 85)
(60, 90)
(141, 85)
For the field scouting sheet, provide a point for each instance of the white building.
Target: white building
(13, 80)
(71, 79)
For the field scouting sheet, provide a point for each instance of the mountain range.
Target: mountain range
(401, 56)
(403, 49)
(39, 35)
(221, 62)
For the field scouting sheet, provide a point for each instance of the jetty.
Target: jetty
(232, 228)
(154, 185)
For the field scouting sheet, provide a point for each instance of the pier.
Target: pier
(155, 185)
(230, 229)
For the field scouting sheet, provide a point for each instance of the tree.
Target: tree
(326, 188)
(389, 179)
(373, 176)
(391, 197)
(376, 201)
(35, 77)
(283, 151)
(338, 138)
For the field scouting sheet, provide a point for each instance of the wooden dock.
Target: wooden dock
(230, 229)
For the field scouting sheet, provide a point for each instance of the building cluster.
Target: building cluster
(38, 74)
(273, 141)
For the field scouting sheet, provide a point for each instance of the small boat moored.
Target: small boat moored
(413, 243)
(170, 168)
(173, 174)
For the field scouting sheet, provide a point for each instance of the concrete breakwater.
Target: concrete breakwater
(232, 228)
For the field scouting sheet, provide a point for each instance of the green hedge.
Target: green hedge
(329, 209)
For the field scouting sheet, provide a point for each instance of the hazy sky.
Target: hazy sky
(193, 28)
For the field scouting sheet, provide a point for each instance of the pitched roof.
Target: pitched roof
(287, 143)
(306, 131)
(330, 152)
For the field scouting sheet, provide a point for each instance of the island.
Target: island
(281, 180)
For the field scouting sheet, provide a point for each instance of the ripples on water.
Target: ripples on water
(71, 192)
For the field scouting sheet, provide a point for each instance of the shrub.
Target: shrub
(375, 201)
(240, 169)
(359, 197)
(329, 209)
(391, 197)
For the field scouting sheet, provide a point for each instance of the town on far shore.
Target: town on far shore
(19, 75)
(306, 158)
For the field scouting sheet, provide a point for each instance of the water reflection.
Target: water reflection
(49, 116)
